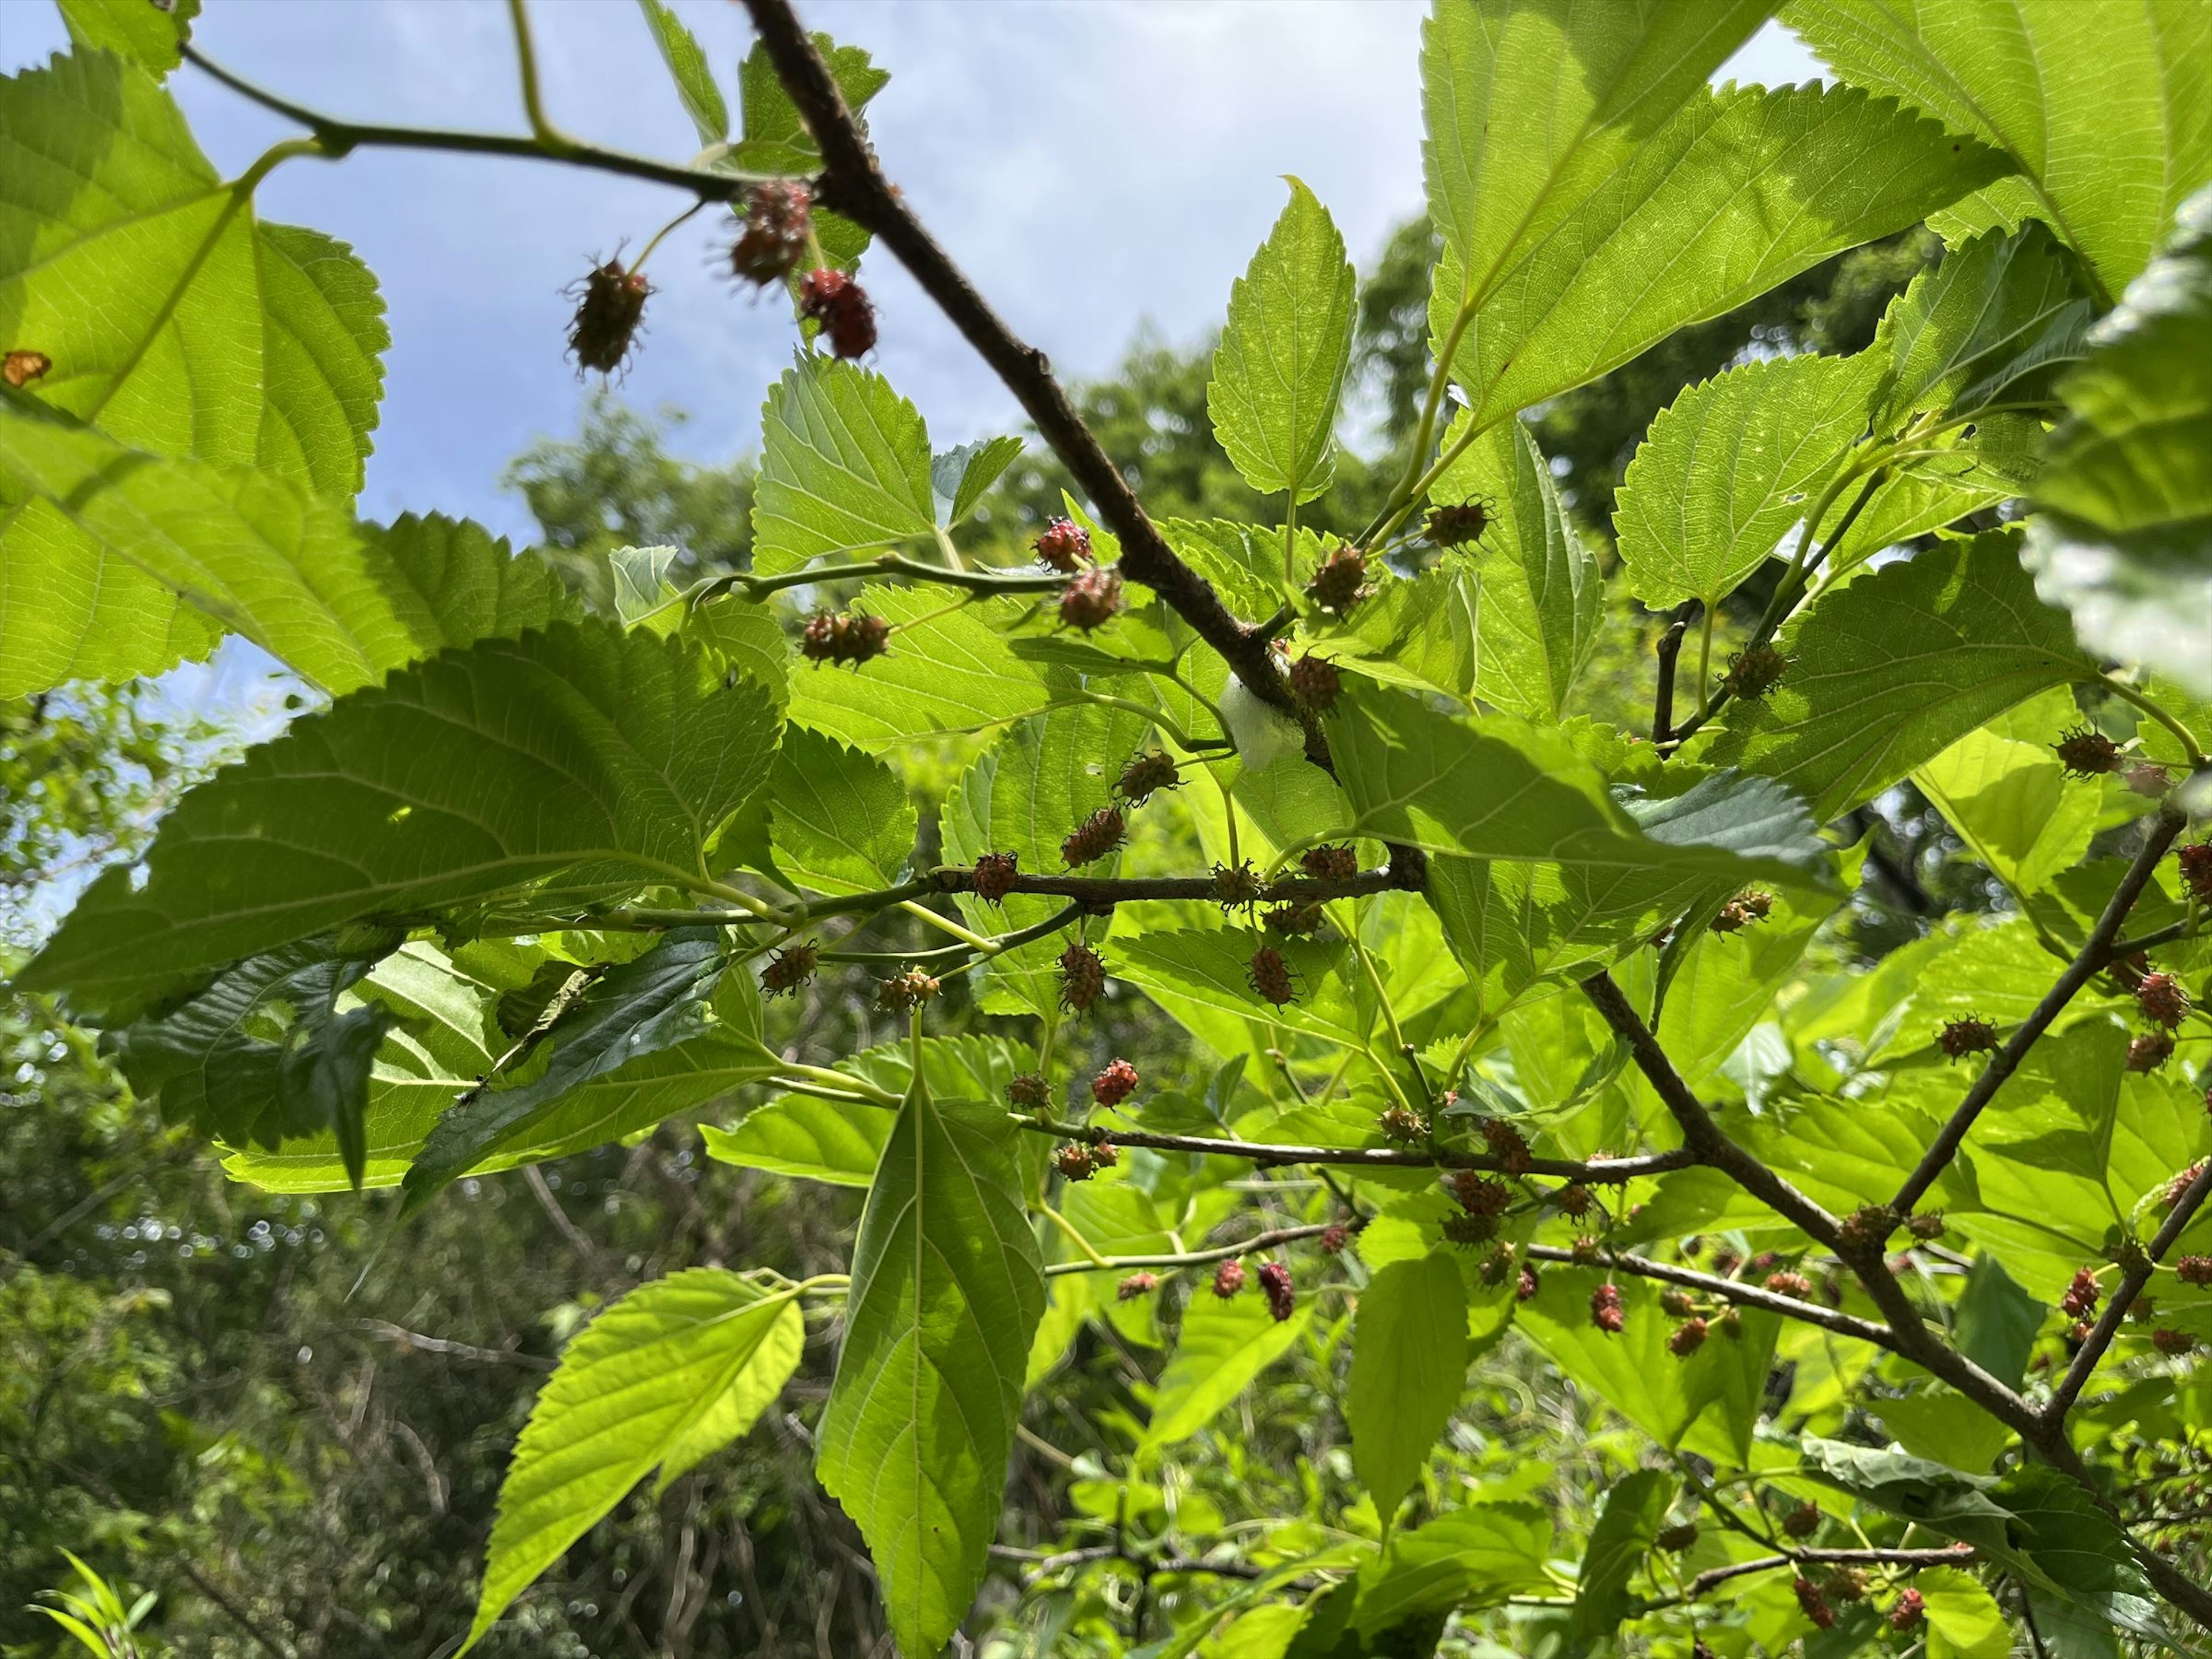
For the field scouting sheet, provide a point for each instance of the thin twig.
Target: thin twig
(2124, 1295)
(1669, 648)
(407, 1339)
(1734, 1291)
(1601, 1171)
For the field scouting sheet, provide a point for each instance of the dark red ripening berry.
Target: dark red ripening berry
(1269, 975)
(609, 305)
(1228, 1279)
(1524, 1288)
(1848, 1584)
(1338, 863)
(1677, 1303)
(1082, 978)
(788, 969)
(1094, 838)
(2147, 779)
(1676, 1538)
(1146, 776)
(1455, 527)
(1790, 1283)
(1926, 1227)
(1746, 908)
(2130, 1257)
(2181, 1184)
(2195, 1270)
(1478, 1194)
(2148, 1050)
(1237, 887)
(1507, 1145)
(1814, 1605)
(1467, 1229)
(1334, 1237)
(1911, 1607)
(2143, 1310)
(1341, 581)
(1729, 1324)
(19, 368)
(1574, 1199)
(1073, 1161)
(2196, 861)
(2080, 1298)
(1030, 1091)
(2086, 753)
(1064, 545)
(1296, 920)
(1971, 1036)
(903, 991)
(1282, 1297)
(1403, 1123)
(1804, 1521)
(1605, 1309)
(1114, 1085)
(1689, 1336)
(1867, 1228)
(844, 636)
(1494, 1267)
(830, 297)
(2162, 1000)
(1091, 599)
(1754, 672)
(1136, 1285)
(1315, 683)
(1105, 1154)
(773, 231)
(1586, 1251)
(2172, 1344)
(995, 874)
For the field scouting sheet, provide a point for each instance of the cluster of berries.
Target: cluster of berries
(1747, 906)
(1094, 598)
(2085, 752)
(1274, 1284)
(2164, 1003)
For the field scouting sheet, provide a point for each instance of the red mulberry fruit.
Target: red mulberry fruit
(1094, 838)
(1315, 683)
(1282, 1297)
(995, 874)
(1926, 1228)
(1269, 976)
(1091, 600)
(1073, 1161)
(1605, 1309)
(1065, 545)
(2181, 1184)
(1804, 1521)
(2196, 861)
(1228, 1279)
(1134, 1285)
(1815, 1605)
(1689, 1336)
(1740, 912)
(1105, 1154)
(607, 312)
(1114, 1085)
(788, 969)
(1677, 1302)
(1334, 1237)
(1790, 1283)
(1867, 1227)
(1574, 1200)
(1082, 978)
(834, 300)
(2172, 1344)
(2162, 1000)
(2080, 1298)
(903, 991)
(1145, 775)
(2195, 1270)
(1340, 582)
(1455, 527)
(1507, 1145)
(1524, 1288)
(2086, 753)
(1911, 1607)
(1754, 672)
(844, 636)
(773, 240)
(1586, 1251)
(2148, 1050)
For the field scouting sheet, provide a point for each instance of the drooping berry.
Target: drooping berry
(1065, 545)
(1145, 775)
(1478, 1194)
(2196, 861)
(2143, 1310)
(1689, 1336)
(1848, 1584)
(19, 368)
(1031, 1091)
(995, 874)
(1813, 1603)
(2147, 779)
(1337, 863)
(1729, 1324)
(1082, 978)
(2181, 1184)
(1136, 1285)
(1315, 683)
(830, 297)
(1269, 976)
(1507, 1145)
(1493, 1267)
(1804, 1521)
(844, 636)
(1456, 525)
(1676, 1538)
(1467, 1229)
(788, 969)
(1790, 1283)
(1574, 1199)
(1754, 672)
(1524, 1288)
(2148, 1050)
(2172, 1343)
(2087, 752)
(1867, 1228)
(1091, 600)
(2161, 999)
(1911, 1607)
(1926, 1227)
(1334, 1237)
(1282, 1297)
(1677, 1302)
(1114, 1085)
(1971, 1036)
(609, 305)
(2080, 1298)
(1074, 1160)
(1228, 1278)
(1747, 906)
(1296, 920)
(902, 992)
(1237, 887)
(1605, 1309)
(1094, 838)
(1340, 582)
(1105, 1154)
(1403, 1123)
(2195, 1270)
(772, 238)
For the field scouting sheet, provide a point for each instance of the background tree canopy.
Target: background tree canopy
(1509, 960)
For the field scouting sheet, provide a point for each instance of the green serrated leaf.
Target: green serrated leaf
(475, 587)
(845, 467)
(1964, 1619)
(1892, 669)
(1409, 1356)
(946, 671)
(2098, 152)
(843, 821)
(2002, 787)
(1223, 1346)
(1730, 467)
(688, 68)
(136, 31)
(1476, 1556)
(675, 1369)
(947, 1291)
(959, 477)
(559, 769)
(1279, 371)
(814, 1139)
(774, 138)
(1635, 1508)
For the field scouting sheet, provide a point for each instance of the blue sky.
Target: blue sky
(1096, 165)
